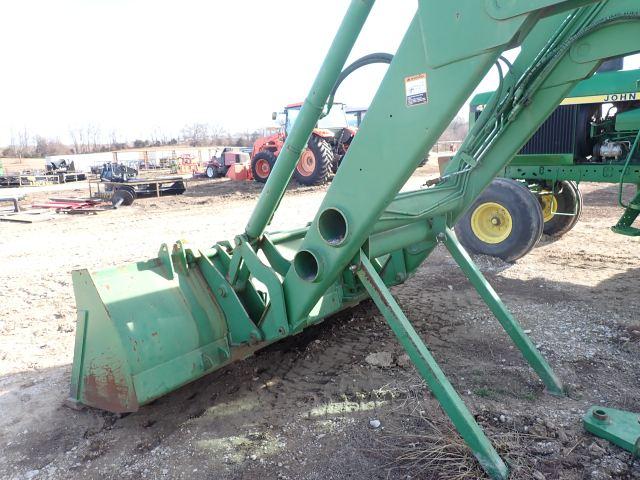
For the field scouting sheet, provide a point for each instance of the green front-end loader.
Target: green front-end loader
(145, 329)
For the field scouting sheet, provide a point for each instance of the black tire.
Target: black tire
(129, 189)
(322, 162)
(210, 172)
(336, 163)
(122, 196)
(261, 165)
(568, 200)
(518, 206)
(178, 188)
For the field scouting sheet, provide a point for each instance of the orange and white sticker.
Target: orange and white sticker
(416, 90)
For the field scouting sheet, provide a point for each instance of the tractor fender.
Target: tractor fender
(322, 133)
(272, 143)
(347, 135)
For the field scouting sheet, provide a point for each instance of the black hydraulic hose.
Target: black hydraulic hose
(361, 62)
(556, 55)
(372, 58)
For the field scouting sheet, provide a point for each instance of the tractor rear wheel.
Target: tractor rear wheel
(567, 200)
(261, 165)
(315, 162)
(505, 221)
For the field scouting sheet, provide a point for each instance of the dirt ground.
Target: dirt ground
(303, 408)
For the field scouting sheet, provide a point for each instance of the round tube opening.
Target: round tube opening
(332, 226)
(306, 266)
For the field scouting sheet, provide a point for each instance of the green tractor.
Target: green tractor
(591, 136)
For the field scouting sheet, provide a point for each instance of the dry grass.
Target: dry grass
(407, 397)
(424, 449)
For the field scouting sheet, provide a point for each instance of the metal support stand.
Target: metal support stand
(632, 210)
(624, 225)
(510, 324)
(442, 389)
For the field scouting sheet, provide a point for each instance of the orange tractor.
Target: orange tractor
(327, 146)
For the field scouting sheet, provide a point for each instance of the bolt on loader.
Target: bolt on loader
(148, 328)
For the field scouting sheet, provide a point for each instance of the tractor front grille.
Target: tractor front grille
(556, 135)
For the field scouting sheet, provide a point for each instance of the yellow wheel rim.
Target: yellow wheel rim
(491, 223)
(549, 205)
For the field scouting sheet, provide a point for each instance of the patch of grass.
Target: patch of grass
(432, 452)
(495, 393)
(485, 392)
(430, 449)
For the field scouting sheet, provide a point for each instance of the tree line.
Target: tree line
(90, 139)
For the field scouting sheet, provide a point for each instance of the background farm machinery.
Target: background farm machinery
(330, 139)
(147, 328)
(325, 149)
(228, 158)
(592, 136)
(122, 185)
(65, 170)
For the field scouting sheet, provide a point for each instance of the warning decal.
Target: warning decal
(416, 90)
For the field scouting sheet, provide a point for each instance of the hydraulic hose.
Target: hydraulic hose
(372, 58)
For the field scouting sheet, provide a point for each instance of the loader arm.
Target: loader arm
(148, 328)
(409, 132)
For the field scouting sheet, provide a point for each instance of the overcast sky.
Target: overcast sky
(132, 66)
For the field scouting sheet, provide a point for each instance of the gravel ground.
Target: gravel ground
(309, 407)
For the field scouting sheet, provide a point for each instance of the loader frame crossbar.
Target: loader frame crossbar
(200, 310)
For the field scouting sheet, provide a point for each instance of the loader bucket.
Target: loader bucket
(143, 330)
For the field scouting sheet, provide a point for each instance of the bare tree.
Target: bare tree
(158, 137)
(456, 131)
(12, 149)
(86, 139)
(218, 134)
(48, 146)
(76, 135)
(22, 149)
(196, 134)
(93, 138)
(41, 146)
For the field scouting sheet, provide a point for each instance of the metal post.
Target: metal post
(510, 324)
(429, 369)
(274, 189)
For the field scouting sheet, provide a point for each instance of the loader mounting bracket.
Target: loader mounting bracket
(617, 426)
